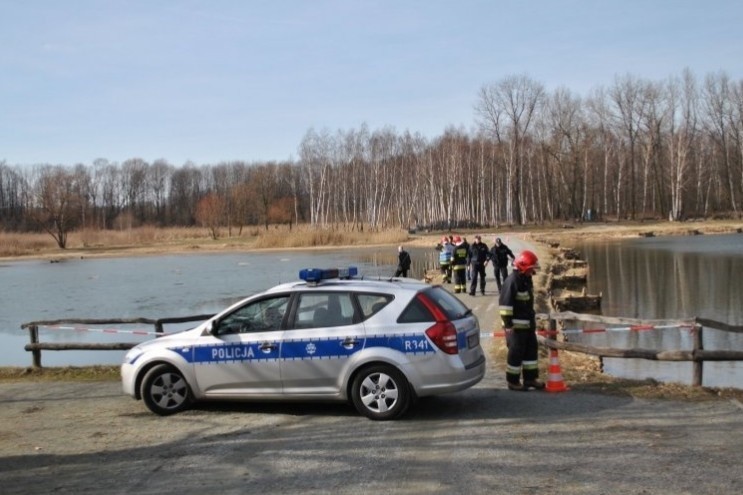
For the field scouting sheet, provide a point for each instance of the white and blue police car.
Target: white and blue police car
(332, 335)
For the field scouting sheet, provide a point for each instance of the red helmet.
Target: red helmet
(525, 261)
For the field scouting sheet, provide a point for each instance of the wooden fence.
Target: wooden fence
(36, 346)
(697, 355)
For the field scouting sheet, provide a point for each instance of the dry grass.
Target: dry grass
(88, 242)
(154, 239)
(582, 372)
(60, 373)
(13, 244)
(304, 237)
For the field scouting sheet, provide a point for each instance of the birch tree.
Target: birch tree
(681, 137)
(506, 108)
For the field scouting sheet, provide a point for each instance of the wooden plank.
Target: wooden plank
(80, 346)
(649, 354)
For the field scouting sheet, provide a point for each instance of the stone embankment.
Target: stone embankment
(567, 279)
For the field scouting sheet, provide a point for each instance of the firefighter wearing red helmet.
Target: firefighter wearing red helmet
(519, 322)
(459, 264)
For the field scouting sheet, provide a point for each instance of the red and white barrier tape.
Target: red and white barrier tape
(500, 333)
(632, 328)
(102, 330)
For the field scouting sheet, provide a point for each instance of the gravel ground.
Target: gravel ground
(86, 437)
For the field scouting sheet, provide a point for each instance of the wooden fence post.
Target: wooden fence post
(553, 328)
(33, 332)
(698, 365)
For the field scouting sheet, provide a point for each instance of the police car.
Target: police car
(332, 335)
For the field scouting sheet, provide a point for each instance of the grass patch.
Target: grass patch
(79, 373)
(153, 239)
(303, 237)
(15, 244)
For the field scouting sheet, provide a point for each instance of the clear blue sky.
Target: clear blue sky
(219, 80)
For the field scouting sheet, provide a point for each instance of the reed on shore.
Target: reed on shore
(174, 239)
(153, 240)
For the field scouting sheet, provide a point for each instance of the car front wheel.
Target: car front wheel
(380, 392)
(165, 391)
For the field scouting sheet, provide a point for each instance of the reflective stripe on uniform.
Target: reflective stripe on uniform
(521, 324)
(530, 365)
(513, 370)
(523, 296)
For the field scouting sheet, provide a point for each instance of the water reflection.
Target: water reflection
(669, 278)
(644, 279)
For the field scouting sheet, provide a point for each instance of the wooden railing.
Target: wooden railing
(697, 355)
(35, 346)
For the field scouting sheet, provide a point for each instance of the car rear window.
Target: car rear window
(452, 307)
(417, 311)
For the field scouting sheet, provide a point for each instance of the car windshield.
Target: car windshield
(450, 305)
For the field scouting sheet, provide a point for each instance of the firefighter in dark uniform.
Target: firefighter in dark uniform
(459, 265)
(519, 322)
(478, 256)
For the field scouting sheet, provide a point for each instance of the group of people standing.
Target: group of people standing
(463, 262)
(516, 298)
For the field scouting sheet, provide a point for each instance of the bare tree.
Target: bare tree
(736, 127)
(263, 184)
(315, 158)
(157, 180)
(566, 122)
(506, 108)
(210, 212)
(655, 119)
(627, 94)
(718, 108)
(13, 197)
(682, 136)
(57, 208)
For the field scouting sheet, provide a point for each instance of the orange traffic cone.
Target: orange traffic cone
(555, 382)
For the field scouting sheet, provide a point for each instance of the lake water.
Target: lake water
(151, 287)
(669, 278)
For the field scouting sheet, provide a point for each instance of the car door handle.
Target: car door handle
(350, 343)
(268, 347)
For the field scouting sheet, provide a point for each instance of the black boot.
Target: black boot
(535, 384)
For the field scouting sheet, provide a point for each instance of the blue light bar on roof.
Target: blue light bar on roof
(317, 274)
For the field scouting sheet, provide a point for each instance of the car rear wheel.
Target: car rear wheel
(165, 391)
(380, 392)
